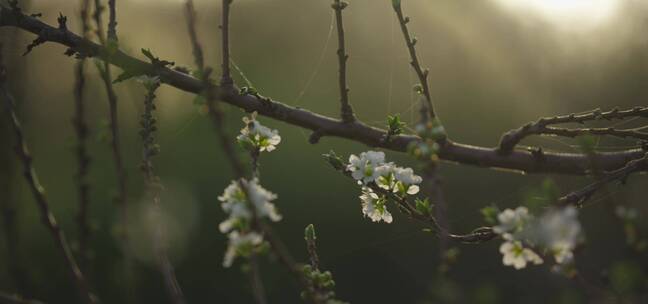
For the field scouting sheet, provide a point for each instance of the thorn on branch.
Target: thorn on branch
(62, 22)
(36, 42)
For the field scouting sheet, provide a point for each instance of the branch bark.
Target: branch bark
(511, 138)
(346, 111)
(518, 160)
(427, 108)
(39, 192)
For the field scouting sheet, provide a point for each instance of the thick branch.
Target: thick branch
(518, 160)
(346, 111)
(541, 126)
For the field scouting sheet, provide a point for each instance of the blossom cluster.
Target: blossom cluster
(555, 233)
(238, 204)
(257, 137)
(370, 168)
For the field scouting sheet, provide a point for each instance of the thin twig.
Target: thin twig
(192, 19)
(346, 111)
(112, 24)
(8, 167)
(256, 283)
(517, 161)
(83, 159)
(115, 143)
(427, 107)
(39, 192)
(150, 149)
(511, 138)
(226, 77)
(579, 197)
(217, 118)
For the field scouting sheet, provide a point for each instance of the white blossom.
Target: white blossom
(514, 254)
(406, 181)
(258, 136)
(512, 222)
(374, 206)
(240, 245)
(559, 231)
(363, 168)
(235, 203)
(386, 179)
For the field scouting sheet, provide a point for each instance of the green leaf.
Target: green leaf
(395, 125)
(490, 214)
(309, 233)
(424, 206)
(396, 3)
(334, 160)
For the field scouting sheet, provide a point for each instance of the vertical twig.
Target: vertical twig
(346, 111)
(10, 208)
(427, 109)
(211, 94)
(115, 144)
(217, 117)
(39, 192)
(190, 14)
(226, 77)
(83, 160)
(150, 149)
(112, 23)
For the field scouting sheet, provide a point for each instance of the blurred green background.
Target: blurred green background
(493, 65)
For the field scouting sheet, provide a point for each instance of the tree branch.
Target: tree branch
(210, 91)
(511, 138)
(226, 77)
(427, 108)
(83, 159)
(39, 192)
(150, 149)
(346, 111)
(112, 23)
(109, 46)
(579, 197)
(518, 160)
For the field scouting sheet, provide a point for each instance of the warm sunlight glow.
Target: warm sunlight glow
(568, 13)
